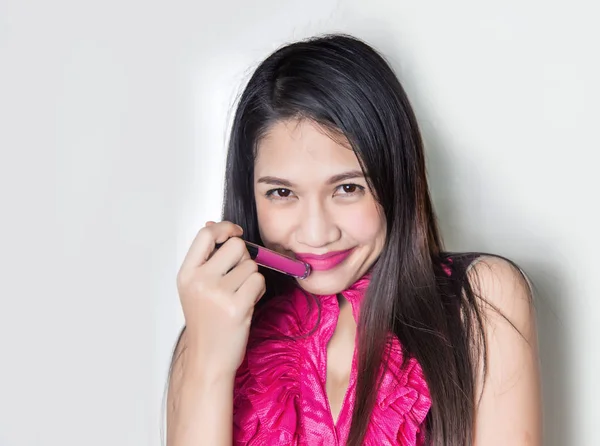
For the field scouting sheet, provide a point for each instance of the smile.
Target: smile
(324, 262)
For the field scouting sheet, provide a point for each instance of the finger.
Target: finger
(251, 290)
(209, 223)
(204, 242)
(234, 279)
(224, 259)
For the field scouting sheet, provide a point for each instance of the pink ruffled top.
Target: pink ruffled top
(280, 396)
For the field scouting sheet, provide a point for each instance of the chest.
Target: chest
(340, 353)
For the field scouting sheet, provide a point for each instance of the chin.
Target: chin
(328, 282)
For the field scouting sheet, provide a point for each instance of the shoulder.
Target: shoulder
(508, 382)
(504, 291)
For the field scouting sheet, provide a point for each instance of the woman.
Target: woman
(390, 340)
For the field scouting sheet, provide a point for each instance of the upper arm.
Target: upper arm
(509, 410)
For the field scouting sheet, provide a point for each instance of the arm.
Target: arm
(509, 411)
(199, 407)
(218, 290)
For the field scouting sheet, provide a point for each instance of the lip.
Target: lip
(326, 261)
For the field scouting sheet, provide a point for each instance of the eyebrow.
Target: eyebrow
(352, 174)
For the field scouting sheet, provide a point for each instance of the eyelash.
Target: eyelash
(271, 193)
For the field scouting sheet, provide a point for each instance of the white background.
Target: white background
(113, 119)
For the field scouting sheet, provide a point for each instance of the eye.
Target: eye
(279, 193)
(350, 189)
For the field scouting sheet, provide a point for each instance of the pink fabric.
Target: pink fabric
(280, 396)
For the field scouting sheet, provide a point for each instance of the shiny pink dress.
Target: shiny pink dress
(280, 396)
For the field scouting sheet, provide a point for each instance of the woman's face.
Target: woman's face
(314, 204)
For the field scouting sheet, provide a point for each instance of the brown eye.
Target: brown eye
(279, 193)
(349, 190)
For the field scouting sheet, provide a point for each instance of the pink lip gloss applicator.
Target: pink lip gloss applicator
(275, 261)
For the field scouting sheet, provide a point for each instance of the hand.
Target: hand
(218, 291)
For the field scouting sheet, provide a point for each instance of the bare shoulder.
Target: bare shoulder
(509, 411)
(505, 292)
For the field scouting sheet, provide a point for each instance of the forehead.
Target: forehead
(303, 147)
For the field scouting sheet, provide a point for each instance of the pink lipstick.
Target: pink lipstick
(324, 262)
(276, 261)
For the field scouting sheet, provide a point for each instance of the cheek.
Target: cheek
(271, 223)
(365, 224)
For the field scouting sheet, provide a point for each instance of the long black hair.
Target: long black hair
(344, 85)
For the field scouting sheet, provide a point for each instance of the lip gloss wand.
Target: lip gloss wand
(276, 261)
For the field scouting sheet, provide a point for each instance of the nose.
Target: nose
(317, 226)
